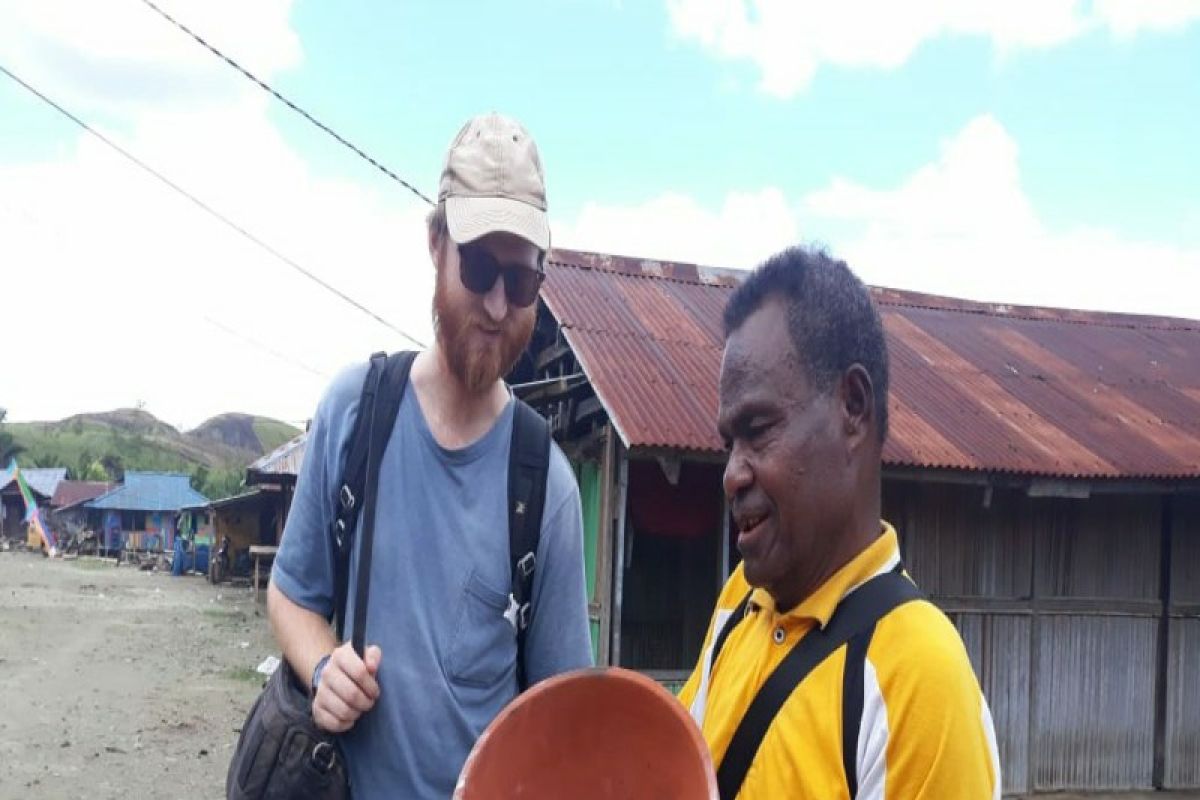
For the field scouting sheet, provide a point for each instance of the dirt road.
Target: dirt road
(116, 683)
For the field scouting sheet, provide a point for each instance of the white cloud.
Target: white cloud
(109, 275)
(963, 226)
(1130, 17)
(974, 186)
(960, 226)
(122, 57)
(746, 228)
(790, 39)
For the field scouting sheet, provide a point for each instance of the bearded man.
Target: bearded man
(442, 654)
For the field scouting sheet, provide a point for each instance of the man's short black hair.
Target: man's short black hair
(831, 319)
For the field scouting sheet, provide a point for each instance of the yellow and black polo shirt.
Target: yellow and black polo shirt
(926, 731)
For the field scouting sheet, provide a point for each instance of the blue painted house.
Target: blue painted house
(142, 512)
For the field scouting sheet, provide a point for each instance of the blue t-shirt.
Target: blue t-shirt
(439, 587)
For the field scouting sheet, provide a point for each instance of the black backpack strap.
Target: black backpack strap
(859, 611)
(734, 620)
(852, 704)
(378, 406)
(387, 405)
(528, 466)
(852, 699)
(350, 491)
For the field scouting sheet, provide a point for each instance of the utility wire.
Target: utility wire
(213, 212)
(265, 87)
(265, 348)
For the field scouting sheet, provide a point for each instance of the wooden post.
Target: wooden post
(281, 498)
(619, 565)
(602, 595)
(1163, 660)
(216, 542)
(289, 491)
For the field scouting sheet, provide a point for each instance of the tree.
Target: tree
(216, 484)
(83, 465)
(9, 449)
(114, 467)
(199, 479)
(95, 472)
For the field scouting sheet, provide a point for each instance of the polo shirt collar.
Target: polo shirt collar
(880, 556)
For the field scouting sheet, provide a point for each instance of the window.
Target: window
(133, 520)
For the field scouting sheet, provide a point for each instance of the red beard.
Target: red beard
(475, 362)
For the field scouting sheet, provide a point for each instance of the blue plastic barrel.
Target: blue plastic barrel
(177, 560)
(202, 558)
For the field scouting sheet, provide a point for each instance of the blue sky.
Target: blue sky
(1028, 152)
(625, 109)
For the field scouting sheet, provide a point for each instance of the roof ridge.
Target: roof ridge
(719, 273)
(720, 278)
(1052, 314)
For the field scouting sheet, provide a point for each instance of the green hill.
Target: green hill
(102, 446)
(244, 433)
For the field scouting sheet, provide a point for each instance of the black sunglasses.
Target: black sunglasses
(479, 269)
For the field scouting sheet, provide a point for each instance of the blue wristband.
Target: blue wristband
(316, 676)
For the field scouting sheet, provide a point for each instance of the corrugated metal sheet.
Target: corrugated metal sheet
(283, 461)
(1094, 702)
(651, 346)
(150, 491)
(1061, 598)
(71, 493)
(1183, 706)
(42, 480)
(251, 498)
(974, 386)
(954, 547)
(1183, 660)
(1105, 547)
(1185, 551)
(998, 645)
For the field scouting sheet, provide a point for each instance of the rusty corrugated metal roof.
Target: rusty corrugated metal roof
(71, 493)
(975, 386)
(282, 462)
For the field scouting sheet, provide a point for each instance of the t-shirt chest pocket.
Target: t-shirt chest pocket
(483, 648)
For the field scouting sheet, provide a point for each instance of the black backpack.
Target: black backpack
(280, 751)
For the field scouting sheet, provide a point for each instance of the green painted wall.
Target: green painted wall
(588, 475)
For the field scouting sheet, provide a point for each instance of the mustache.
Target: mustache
(747, 515)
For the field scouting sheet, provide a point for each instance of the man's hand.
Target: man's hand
(348, 688)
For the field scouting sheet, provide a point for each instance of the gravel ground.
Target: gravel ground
(116, 683)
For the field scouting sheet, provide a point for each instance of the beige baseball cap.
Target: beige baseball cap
(493, 181)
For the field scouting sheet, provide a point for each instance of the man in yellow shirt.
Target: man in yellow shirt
(824, 673)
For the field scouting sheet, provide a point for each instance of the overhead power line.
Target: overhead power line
(265, 87)
(265, 348)
(209, 209)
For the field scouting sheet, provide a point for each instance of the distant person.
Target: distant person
(880, 699)
(441, 661)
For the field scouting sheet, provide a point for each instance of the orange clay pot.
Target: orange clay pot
(593, 734)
